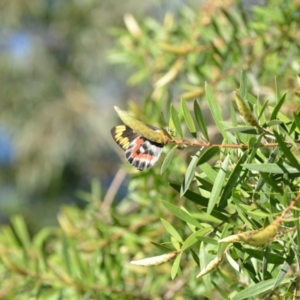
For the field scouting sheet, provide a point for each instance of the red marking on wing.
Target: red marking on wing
(138, 144)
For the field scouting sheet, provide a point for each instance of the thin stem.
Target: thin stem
(232, 146)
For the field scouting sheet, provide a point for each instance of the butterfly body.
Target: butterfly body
(139, 151)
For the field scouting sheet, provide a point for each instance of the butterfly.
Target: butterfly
(139, 151)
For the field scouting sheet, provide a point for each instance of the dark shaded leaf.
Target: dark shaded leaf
(174, 116)
(188, 118)
(263, 109)
(232, 180)
(204, 183)
(271, 159)
(287, 152)
(270, 181)
(297, 120)
(163, 247)
(247, 130)
(207, 154)
(274, 123)
(231, 19)
(200, 120)
(277, 107)
(196, 198)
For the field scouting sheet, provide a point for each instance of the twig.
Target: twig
(113, 188)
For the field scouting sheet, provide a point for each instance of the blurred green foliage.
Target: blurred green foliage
(56, 93)
(215, 194)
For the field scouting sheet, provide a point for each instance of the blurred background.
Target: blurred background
(57, 95)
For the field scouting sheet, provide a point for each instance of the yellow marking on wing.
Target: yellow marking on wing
(120, 129)
(142, 129)
(124, 142)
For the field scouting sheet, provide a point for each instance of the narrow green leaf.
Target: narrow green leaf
(181, 214)
(189, 175)
(243, 91)
(174, 116)
(20, 229)
(252, 101)
(235, 175)
(296, 215)
(195, 257)
(65, 254)
(275, 259)
(245, 23)
(208, 240)
(188, 118)
(207, 154)
(167, 160)
(297, 119)
(203, 262)
(262, 110)
(234, 264)
(79, 265)
(241, 213)
(204, 217)
(243, 129)
(258, 288)
(231, 19)
(233, 115)
(287, 152)
(277, 107)
(193, 238)
(272, 159)
(141, 128)
(272, 168)
(218, 184)
(162, 247)
(218, 288)
(196, 198)
(285, 268)
(274, 123)
(215, 110)
(216, 26)
(204, 183)
(270, 181)
(172, 231)
(209, 172)
(223, 246)
(175, 266)
(295, 124)
(200, 120)
(40, 238)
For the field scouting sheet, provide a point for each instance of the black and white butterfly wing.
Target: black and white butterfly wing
(139, 151)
